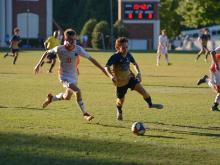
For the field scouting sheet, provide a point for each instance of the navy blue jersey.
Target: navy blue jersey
(15, 41)
(121, 67)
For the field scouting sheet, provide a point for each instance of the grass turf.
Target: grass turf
(184, 132)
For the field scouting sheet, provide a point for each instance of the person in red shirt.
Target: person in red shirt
(214, 80)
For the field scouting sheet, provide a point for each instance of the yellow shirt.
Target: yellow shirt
(52, 42)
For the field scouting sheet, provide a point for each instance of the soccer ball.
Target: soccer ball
(138, 128)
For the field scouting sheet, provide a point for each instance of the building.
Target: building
(33, 17)
(142, 19)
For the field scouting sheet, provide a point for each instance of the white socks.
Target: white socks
(58, 97)
(217, 98)
(210, 84)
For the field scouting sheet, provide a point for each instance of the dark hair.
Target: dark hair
(69, 32)
(16, 29)
(119, 42)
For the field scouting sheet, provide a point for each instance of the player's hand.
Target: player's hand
(138, 76)
(36, 69)
(114, 80)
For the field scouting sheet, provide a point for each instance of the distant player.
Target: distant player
(50, 43)
(203, 39)
(163, 44)
(123, 78)
(214, 80)
(68, 76)
(14, 45)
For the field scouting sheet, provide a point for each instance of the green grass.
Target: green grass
(184, 132)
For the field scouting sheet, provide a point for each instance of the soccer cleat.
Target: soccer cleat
(6, 55)
(157, 106)
(214, 108)
(202, 80)
(87, 116)
(169, 63)
(119, 116)
(48, 100)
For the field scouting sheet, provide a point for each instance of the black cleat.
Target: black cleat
(202, 80)
(214, 108)
(119, 116)
(157, 106)
(6, 55)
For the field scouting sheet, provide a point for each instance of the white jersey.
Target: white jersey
(68, 61)
(163, 44)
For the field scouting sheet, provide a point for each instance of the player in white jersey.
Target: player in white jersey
(214, 80)
(67, 55)
(163, 44)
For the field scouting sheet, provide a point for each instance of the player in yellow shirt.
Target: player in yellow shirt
(50, 43)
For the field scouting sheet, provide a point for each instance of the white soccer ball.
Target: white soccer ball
(138, 128)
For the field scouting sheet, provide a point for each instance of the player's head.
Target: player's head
(163, 32)
(70, 38)
(206, 30)
(55, 33)
(121, 45)
(16, 30)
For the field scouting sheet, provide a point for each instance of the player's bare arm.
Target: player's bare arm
(110, 74)
(37, 67)
(137, 69)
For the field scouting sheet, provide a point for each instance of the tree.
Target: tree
(199, 13)
(100, 35)
(88, 29)
(170, 19)
(120, 29)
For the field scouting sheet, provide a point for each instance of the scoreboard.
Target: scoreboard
(141, 18)
(138, 11)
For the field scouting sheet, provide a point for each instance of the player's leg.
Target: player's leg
(199, 54)
(158, 58)
(206, 54)
(15, 56)
(217, 100)
(52, 65)
(120, 92)
(167, 59)
(119, 104)
(140, 89)
(79, 100)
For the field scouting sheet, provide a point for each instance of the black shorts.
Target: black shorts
(14, 50)
(51, 56)
(121, 91)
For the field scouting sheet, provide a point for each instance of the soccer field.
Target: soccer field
(184, 132)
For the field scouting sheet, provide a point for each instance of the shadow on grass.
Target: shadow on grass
(174, 86)
(119, 126)
(25, 149)
(31, 108)
(187, 126)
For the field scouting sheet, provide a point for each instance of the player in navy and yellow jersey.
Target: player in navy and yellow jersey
(50, 43)
(203, 39)
(214, 80)
(123, 77)
(14, 45)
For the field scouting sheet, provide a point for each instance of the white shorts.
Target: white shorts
(162, 50)
(215, 77)
(67, 81)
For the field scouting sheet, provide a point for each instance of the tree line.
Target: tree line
(175, 16)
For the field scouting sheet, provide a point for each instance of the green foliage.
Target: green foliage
(100, 35)
(120, 29)
(199, 13)
(88, 29)
(169, 18)
(185, 132)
